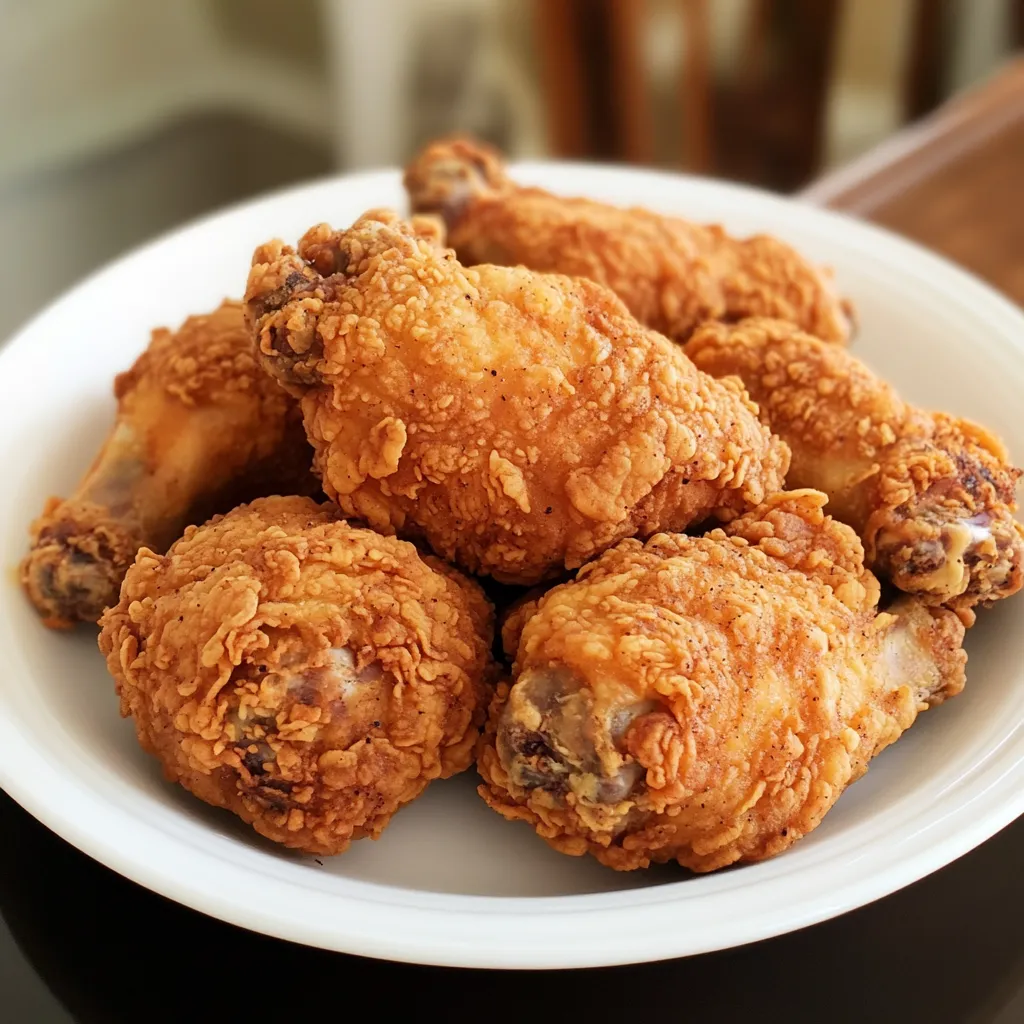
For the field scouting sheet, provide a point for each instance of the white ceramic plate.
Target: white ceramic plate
(450, 882)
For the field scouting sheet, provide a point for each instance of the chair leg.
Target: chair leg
(922, 87)
(561, 61)
(630, 99)
(774, 112)
(696, 99)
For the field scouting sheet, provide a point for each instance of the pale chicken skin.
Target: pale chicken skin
(706, 700)
(520, 423)
(932, 496)
(671, 273)
(199, 428)
(310, 676)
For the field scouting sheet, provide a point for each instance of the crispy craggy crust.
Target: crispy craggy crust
(672, 274)
(724, 691)
(519, 422)
(310, 676)
(199, 428)
(932, 496)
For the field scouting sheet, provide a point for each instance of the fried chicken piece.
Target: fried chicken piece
(518, 422)
(199, 428)
(672, 274)
(706, 700)
(308, 675)
(931, 496)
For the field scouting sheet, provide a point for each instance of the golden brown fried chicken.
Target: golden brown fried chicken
(307, 675)
(931, 496)
(706, 700)
(519, 422)
(199, 428)
(672, 274)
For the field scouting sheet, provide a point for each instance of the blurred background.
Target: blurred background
(121, 118)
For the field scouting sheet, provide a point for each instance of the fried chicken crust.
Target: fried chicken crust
(199, 428)
(309, 676)
(932, 496)
(706, 700)
(672, 274)
(519, 422)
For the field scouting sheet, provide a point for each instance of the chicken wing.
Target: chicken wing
(199, 428)
(706, 700)
(310, 676)
(519, 422)
(931, 496)
(672, 274)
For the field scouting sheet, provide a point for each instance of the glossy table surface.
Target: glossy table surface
(79, 943)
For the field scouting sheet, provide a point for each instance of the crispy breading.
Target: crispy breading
(931, 495)
(707, 699)
(308, 675)
(671, 273)
(519, 422)
(199, 428)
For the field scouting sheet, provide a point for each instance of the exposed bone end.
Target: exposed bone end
(947, 554)
(924, 649)
(287, 345)
(78, 559)
(287, 290)
(552, 737)
(450, 173)
(351, 706)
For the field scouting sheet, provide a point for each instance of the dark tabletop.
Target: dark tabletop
(79, 943)
(83, 944)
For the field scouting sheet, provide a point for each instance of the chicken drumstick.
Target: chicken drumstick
(931, 496)
(671, 273)
(706, 700)
(519, 422)
(199, 428)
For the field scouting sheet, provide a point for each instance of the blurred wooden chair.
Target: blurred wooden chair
(766, 124)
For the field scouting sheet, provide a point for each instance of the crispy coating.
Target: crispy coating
(199, 428)
(672, 274)
(519, 422)
(932, 496)
(706, 700)
(308, 675)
